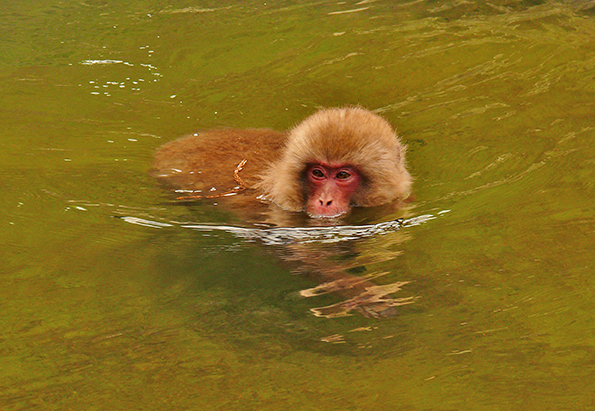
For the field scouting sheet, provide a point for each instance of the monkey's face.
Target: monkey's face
(330, 188)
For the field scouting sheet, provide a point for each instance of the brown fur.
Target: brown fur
(276, 162)
(207, 160)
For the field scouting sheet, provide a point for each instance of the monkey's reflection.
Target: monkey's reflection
(344, 269)
(353, 262)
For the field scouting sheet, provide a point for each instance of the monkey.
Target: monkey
(335, 159)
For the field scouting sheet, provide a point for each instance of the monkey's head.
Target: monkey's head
(338, 158)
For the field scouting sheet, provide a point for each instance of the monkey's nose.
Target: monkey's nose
(325, 204)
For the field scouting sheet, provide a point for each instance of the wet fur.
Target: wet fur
(277, 161)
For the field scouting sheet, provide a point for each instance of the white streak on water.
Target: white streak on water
(288, 235)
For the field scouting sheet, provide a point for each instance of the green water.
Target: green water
(496, 101)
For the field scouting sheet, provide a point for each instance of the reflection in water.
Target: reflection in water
(315, 250)
(372, 301)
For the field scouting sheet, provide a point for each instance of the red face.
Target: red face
(330, 189)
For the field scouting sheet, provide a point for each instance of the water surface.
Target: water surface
(493, 304)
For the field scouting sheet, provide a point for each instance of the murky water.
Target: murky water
(484, 299)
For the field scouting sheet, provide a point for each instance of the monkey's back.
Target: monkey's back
(207, 161)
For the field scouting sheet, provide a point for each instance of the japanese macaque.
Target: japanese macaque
(335, 159)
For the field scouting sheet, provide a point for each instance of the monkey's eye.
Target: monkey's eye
(342, 175)
(317, 173)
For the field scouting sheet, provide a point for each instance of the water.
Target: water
(491, 300)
